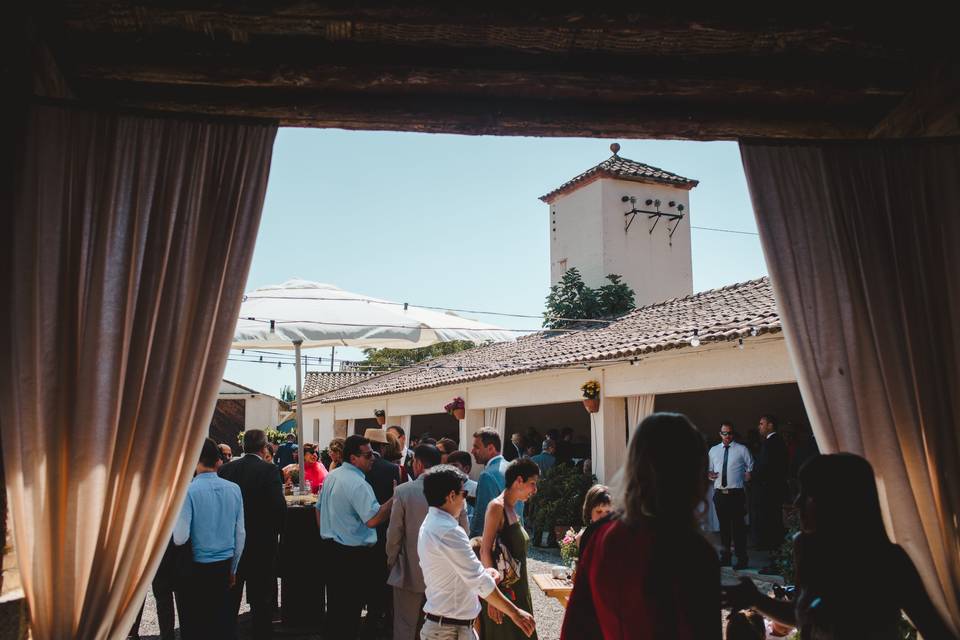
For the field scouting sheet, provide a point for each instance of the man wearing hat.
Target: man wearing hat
(383, 476)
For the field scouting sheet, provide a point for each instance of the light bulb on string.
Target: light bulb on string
(273, 326)
(695, 340)
(278, 364)
(740, 343)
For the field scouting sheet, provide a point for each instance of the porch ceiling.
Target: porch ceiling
(567, 69)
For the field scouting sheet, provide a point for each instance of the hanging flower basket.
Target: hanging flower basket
(381, 416)
(456, 408)
(591, 395)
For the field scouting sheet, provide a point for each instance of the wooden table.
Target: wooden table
(554, 588)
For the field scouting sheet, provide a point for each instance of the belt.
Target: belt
(442, 620)
(725, 491)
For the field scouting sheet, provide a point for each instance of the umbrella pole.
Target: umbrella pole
(303, 478)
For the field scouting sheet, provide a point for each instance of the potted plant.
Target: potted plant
(381, 416)
(558, 503)
(591, 395)
(456, 408)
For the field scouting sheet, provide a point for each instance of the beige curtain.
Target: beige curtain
(638, 408)
(496, 418)
(124, 268)
(862, 241)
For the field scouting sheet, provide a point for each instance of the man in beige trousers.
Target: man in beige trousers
(409, 511)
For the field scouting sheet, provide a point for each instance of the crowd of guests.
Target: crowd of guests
(431, 554)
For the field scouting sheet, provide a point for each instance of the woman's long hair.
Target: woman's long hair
(666, 473)
(846, 502)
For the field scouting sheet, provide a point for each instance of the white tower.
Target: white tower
(626, 218)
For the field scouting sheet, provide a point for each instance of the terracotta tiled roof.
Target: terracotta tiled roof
(718, 315)
(622, 169)
(317, 382)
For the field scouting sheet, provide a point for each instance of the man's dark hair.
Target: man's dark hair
(489, 436)
(772, 419)
(254, 440)
(210, 453)
(427, 454)
(440, 481)
(520, 468)
(351, 447)
(462, 458)
(400, 432)
(728, 423)
(428, 440)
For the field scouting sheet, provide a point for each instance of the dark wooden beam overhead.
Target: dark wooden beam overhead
(559, 69)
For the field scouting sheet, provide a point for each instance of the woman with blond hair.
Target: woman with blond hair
(648, 573)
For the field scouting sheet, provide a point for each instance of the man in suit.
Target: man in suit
(409, 511)
(770, 487)
(486, 451)
(515, 448)
(383, 476)
(406, 454)
(264, 508)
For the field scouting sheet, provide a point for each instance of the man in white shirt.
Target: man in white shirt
(454, 577)
(730, 467)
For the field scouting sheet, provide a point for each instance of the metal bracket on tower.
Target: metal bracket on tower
(653, 214)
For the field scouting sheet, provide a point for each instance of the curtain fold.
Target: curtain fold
(126, 259)
(861, 240)
(638, 408)
(496, 418)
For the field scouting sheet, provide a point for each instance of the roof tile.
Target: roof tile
(718, 315)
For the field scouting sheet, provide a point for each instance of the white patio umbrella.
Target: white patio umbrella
(300, 314)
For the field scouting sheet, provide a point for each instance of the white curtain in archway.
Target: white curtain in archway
(638, 408)
(496, 418)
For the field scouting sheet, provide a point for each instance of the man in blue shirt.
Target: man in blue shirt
(548, 457)
(212, 520)
(348, 514)
(486, 451)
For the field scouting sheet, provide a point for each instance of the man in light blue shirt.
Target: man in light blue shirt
(486, 451)
(347, 515)
(212, 521)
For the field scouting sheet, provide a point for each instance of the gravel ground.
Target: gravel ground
(547, 611)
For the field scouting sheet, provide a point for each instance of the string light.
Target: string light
(740, 343)
(695, 340)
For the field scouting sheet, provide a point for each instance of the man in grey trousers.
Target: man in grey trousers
(409, 510)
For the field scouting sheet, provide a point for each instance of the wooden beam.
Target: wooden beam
(931, 109)
(479, 115)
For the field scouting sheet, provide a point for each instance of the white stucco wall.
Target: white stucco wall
(576, 238)
(260, 411)
(587, 232)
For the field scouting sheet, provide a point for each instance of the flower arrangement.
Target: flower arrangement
(454, 406)
(590, 389)
(569, 547)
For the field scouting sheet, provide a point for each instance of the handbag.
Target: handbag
(507, 566)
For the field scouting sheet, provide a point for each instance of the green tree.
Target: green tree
(397, 358)
(287, 394)
(615, 298)
(571, 299)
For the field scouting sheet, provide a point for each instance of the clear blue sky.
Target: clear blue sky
(455, 221)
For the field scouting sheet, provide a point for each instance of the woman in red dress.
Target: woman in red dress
(648, 573)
